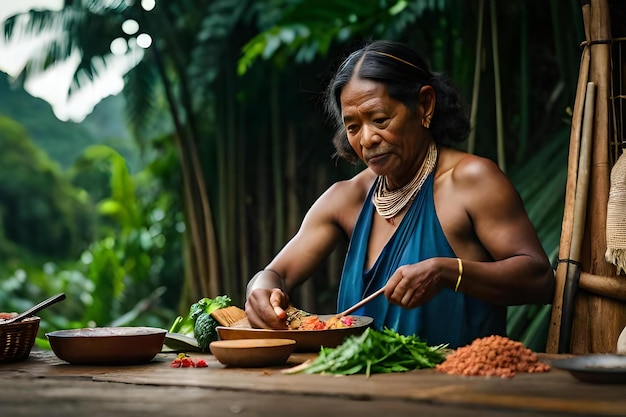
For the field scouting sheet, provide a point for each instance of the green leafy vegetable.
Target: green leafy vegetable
(205, 330)
(376, 352)
(182, 325)
(199, 323)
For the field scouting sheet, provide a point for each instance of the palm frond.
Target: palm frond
(290, 37)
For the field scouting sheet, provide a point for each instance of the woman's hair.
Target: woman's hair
(404, 73)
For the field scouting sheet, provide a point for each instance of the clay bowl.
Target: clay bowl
(107, 345)
(306, 340)
(252, 353)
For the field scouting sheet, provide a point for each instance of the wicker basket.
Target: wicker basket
(17, 339)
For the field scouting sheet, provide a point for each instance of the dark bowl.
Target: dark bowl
(107, 345)
(595, 368)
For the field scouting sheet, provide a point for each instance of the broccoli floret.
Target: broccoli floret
(208, 305)
(205, 330)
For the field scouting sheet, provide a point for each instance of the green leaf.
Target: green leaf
(377, 352)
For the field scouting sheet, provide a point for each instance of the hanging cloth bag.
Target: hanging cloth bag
(616, 216)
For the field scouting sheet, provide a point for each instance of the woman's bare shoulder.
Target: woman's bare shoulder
(355, 188)
(467, 170)
(476, 183)
(343, 200)
(454, 159)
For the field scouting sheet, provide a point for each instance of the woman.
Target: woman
(443, 231)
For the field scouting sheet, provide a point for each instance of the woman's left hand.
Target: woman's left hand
(413, 285)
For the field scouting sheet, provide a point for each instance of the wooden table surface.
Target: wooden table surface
(45, 386)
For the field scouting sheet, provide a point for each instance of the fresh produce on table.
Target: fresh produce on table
(199, 323)
(184, 361)
(492, 356)
(373, 352)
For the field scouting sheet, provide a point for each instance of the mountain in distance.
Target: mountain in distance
(65, 141)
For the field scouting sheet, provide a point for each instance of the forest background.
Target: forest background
(190, 180)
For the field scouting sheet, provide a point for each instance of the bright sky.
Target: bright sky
(52, 86)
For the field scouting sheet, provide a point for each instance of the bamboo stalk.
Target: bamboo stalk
(471, 140)
(606, 286)
(497, 87)
(584, 168)
(579, 219)
(600, 75)
(598, 320)
(570, 192)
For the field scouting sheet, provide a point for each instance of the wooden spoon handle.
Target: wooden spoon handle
(36, 308)
(361, 303)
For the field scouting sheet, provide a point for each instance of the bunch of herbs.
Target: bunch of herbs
(377, 351)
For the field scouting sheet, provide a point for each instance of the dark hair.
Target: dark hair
(404, 72)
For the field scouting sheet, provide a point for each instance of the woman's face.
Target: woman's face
(383, 132)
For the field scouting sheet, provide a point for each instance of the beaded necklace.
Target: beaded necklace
(389, 203)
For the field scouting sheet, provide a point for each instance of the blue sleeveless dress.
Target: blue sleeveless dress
(450, 317)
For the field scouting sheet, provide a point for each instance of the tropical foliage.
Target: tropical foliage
(116, 257)
(36, 198)
(235, 83)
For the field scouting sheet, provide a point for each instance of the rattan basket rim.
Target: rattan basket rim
(17, 338)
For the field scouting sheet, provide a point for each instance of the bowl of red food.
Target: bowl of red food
(309, 337)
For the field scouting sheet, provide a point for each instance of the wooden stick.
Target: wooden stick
(361, 303)
(584, 168)
(597, 320)
(600, 75)
(578, 229)
(613, 287)
(570, 191)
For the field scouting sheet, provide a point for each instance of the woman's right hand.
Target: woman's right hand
(265, 308)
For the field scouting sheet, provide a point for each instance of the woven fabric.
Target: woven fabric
(616, 217)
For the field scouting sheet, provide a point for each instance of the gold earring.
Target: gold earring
(426, 121)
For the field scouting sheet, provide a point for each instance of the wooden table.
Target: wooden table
(44, 386)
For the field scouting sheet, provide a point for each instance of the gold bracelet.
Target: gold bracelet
(458, 281)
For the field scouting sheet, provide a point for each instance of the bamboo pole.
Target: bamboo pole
(612, 287)
(600, 74)
(598, 320)
(570, 192)
(578, 224)
(497, 87)
(471, 140)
